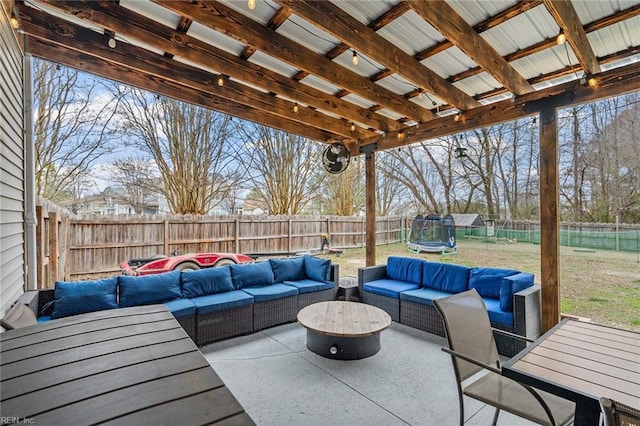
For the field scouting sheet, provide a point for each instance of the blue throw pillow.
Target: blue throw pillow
(404, 269)
(149, 289)
(251, 274)
(513, 284)
(317, 269)
(206, 281)
(288, 269)
(73, 298)
(487, 281)
(446, 277)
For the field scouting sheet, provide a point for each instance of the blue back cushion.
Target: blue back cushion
(73, 298)
(404, 269)
(288, 269)
(513, 284)
(149, 289)
(316, 268)
(445, 277)
(251, 274)
(487, 281)
(206, 281)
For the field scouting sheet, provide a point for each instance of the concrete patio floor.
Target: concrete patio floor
(409, 382)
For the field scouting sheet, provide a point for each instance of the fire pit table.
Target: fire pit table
(343, 330)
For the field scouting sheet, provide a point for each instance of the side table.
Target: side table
(348, 290)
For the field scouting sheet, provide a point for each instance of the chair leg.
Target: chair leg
(495, 417)
(461, 401)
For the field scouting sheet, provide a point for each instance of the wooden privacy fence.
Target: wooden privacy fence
(79, 248)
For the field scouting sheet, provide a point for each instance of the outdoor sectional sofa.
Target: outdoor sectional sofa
(406, 287)
(210, 304)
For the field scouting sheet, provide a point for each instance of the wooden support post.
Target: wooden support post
(370, 208)
(549, 218)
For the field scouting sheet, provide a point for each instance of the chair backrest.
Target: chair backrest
(468, 331)
(18, 316)
(617, 414)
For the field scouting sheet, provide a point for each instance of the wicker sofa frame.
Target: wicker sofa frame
(220, 325)
(526, 313)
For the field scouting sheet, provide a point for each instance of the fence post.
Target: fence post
(388, 231)
(617, 232)
(53, 245)
(166, 238)
(289, 244)
(364, 233)
(236, 242)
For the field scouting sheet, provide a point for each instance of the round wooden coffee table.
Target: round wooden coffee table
(343, 330)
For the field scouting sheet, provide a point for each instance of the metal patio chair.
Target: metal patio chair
(617, 414)
(477, 366)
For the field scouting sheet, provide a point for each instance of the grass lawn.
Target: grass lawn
(601, 285)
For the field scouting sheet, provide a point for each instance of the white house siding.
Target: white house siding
(12, 185)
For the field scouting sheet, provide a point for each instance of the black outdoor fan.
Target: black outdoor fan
(335, 158)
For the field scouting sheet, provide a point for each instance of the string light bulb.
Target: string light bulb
(354, 59)
(457, 116)
(251, 4)
(15, 23)
(353, 127)
(112, 42)
(561, 38)
(592, 82)
(220, 81)
(295, 108)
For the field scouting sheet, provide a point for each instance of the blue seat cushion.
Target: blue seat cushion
(309, 286)
(221, 301)
(181, 307)
(44, 318)
(79, 297)
(497, 315)
(424, 295)
(288, 269)
(206, 281)
(487, 281)
(404, 269)
(149, 289)
(270, 292)
(317, 269)
(445, 276)
(511, 285)
(251, 274)
(388, 287)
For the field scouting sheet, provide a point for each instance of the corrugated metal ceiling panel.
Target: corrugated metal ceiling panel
(411, 33)
(215, 38)
(273, 64)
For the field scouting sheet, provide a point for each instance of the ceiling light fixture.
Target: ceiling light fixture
(15, 23)
(561, 38)
(295, 108)
(112, 42)
(251, 4)
(220, 80)
(354, 59)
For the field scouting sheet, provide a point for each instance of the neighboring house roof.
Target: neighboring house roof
(468, 220)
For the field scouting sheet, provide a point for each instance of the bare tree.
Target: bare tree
(195, 149)
(389, 194)
(344, 193)
(136, 181)
(73, 128)
(282, 169)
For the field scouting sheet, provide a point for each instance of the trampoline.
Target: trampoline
(433, 234)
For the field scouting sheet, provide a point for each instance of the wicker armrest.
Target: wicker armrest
(527, 312)
(371, 273)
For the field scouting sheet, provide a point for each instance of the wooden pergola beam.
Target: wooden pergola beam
(609, 83)
(121, 73)
(450, 24)
(91, 43)
(350, 31)
(567, 19)
(227, 21)
(137, 27)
